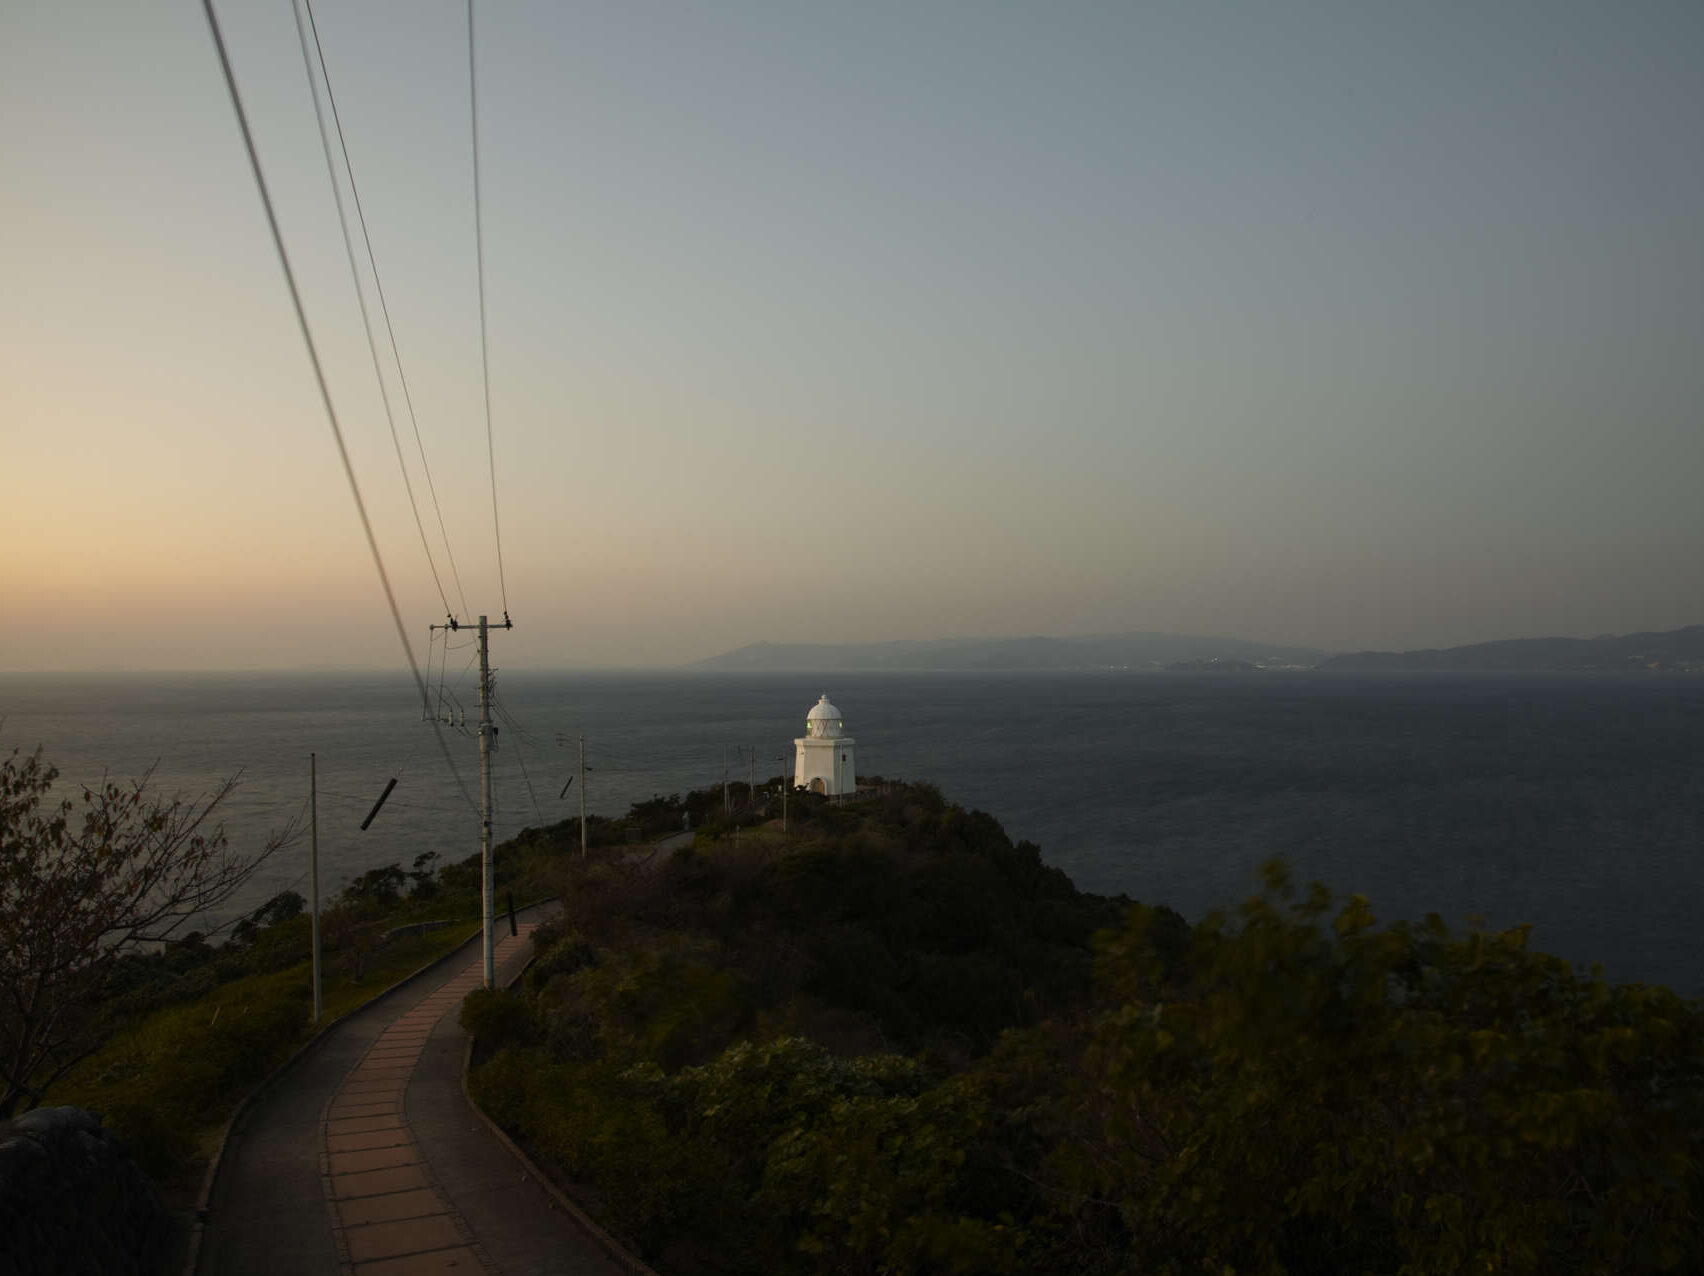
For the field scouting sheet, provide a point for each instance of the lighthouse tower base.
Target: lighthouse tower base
(825, 766)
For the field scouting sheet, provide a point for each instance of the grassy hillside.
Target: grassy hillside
(192, 1027)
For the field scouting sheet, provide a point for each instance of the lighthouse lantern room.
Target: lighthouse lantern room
(823, 756)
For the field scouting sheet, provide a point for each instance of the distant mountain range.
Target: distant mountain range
(1677, 649)
(1095, 651)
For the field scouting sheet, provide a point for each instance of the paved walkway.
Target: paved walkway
(367, 1160)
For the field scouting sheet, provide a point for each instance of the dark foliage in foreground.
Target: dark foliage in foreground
(173, 1033)
(84, 884)
(891, 1045)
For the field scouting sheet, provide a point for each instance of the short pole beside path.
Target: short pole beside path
(367, 1160)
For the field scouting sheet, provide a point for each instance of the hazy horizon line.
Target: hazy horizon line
(692, 666)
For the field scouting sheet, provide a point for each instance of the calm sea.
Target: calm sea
(1571, 802)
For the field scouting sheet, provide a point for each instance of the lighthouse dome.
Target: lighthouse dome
(823, 721)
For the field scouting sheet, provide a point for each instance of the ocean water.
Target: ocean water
(1572, 802)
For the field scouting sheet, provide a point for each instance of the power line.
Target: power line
(379, 289)
(520, 756)
(484, 343)
(319, 372)
(502, 711)
(449, 689)
(521, 741)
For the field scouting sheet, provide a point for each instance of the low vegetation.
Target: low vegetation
(167, 1081)
(889, 1040)
(895, 1042)
(87, 884)
(189, 1027)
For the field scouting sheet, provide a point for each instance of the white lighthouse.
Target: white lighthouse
(823, 756)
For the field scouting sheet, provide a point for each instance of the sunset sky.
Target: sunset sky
(1346, 325)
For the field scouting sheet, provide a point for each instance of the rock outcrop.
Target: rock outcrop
(72, 1201)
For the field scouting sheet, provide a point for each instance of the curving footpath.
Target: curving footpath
(366, 1158)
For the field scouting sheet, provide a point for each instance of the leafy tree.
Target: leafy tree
(355, 935)
(279, 909)
(376, 888)
(80, 889)
(276, 911)
(1291, 1088)
(1310, 1092)
(424, 876)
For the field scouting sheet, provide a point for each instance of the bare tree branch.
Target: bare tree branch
(78, 896)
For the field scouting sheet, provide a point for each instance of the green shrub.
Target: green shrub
(671, 1004)
(559, 953)
(278, 947)
(875, 1183)
(1295, 1089)
(498, 1018)
(462, 878)
(1320, 1093)
(184, 1066)
(503, 1085)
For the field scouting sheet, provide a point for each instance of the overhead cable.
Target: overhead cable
(319, 374)
(484, 343)
(522, 740)
(379, 288)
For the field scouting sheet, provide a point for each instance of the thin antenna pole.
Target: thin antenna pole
(582, 796)
(487, 884)
(313, 875)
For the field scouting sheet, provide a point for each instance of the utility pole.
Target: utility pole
(786, 784)
(313, 874)
(728, 800)
(582, 795)
(487, 883)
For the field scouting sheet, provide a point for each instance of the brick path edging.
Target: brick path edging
(203, 1202)
(388, 1212)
